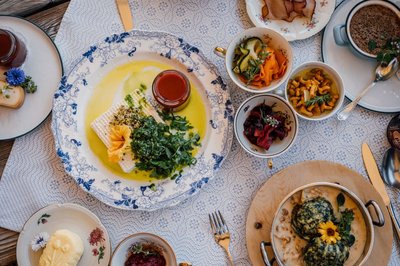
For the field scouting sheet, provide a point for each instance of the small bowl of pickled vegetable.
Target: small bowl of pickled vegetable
(266, 125)
(315, 90)
(258, 60)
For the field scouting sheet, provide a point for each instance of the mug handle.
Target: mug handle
(378, 212)
(340, 36)
(264, 253)
(221, 52)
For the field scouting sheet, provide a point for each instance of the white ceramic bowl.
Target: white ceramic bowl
(121, 252)
(336, 79)
(278, 147)
(272, 39)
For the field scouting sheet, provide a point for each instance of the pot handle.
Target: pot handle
(378, 212)
(340, 36)
(264, 253)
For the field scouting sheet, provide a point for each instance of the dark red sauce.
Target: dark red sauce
(149, 255)
(171, 89)
(12, 50)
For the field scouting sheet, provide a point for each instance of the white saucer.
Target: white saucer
(358, 72)
(65, 216)
(44, 64)
(299, 28)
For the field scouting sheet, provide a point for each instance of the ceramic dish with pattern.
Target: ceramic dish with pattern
(301, 27)
(72, 217)
(40, 51)
(358, 71)
(107, 72)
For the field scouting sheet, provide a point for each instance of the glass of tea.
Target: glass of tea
(12, 49)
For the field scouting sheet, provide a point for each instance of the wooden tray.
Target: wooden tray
(275, 189)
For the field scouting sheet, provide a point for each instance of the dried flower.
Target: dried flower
(15, 76)
(39, 241)
(120, 141)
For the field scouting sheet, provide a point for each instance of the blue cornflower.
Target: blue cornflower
(15, 76)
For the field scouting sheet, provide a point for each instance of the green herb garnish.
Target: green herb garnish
(164, 149)
(319, 99)
(139, 249)
(372, 45)
(344, 226)
(29, 85)
(340, 199)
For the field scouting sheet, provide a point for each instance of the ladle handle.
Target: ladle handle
(346, 111)
(395, 222)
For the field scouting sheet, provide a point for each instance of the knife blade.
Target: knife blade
(125, 14)
(376, 180)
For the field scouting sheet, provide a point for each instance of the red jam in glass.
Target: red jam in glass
(171, 89)
(12, 50)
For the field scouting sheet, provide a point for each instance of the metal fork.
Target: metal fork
(221, 232)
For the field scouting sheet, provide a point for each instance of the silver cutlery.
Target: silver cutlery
(376, 180)
(381, 73)
(221, 232)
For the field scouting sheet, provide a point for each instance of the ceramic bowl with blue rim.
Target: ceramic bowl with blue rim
(119, 56)
(264, 142)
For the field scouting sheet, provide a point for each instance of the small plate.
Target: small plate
(358, 72)
(43, 64)
(96, 242)
(299, 28)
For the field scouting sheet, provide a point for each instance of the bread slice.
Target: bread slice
(12, 97)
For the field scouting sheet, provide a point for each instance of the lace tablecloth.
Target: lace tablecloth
(34, 176)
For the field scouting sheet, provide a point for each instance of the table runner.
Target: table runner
(34, 176)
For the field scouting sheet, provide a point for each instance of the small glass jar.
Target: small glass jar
(171, 89)
(12, 50)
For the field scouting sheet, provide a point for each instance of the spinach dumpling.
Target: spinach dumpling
(308, 216)
(319, 253)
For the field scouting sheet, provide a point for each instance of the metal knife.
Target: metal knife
(376, 180)
(125, 14)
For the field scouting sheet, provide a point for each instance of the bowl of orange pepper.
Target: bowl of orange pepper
(258, 60)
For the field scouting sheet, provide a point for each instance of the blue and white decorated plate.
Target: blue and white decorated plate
(76, 90)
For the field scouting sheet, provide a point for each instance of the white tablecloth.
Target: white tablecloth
(34, 176)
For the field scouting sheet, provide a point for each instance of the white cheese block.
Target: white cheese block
(101, 126)
(64, 248)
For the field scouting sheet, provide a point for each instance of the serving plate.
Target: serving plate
(356, 71)
(76, 89)
(277, 187)
(43, 64)
(96, 242)
(299, 28)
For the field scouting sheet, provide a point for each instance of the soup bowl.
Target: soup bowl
(344, 36)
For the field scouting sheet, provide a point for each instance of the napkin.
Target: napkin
(34, 176)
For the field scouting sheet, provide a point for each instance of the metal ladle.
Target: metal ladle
(381, 73)
(391, 168)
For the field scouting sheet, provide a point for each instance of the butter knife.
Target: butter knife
(376, 180)
(125, 14)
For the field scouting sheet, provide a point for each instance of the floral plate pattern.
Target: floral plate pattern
(96, 242)
(69, 108)
(299, 28)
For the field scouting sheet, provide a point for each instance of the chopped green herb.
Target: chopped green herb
(344, 226)
(164, 149)
(129, 100)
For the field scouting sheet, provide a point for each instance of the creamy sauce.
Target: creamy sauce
(289, 245)
(113, 88)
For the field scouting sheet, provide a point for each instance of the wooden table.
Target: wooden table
(47, 14)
